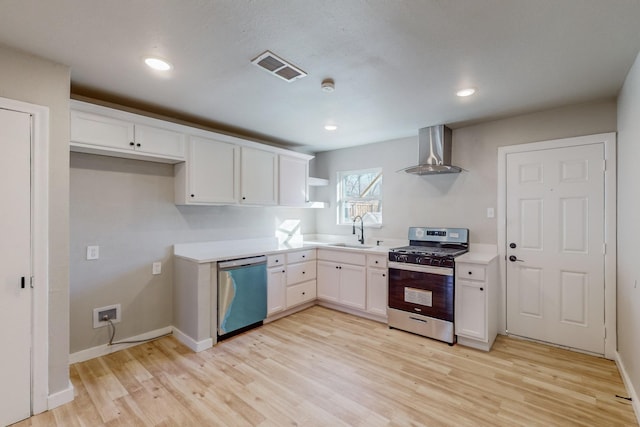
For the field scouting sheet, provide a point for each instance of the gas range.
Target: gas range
(421, 282)
(432, 246)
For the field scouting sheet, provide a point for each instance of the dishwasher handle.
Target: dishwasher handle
(240, 262)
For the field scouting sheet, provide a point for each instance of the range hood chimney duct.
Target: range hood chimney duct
(434, 152)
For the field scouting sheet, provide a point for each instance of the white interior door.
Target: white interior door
(555, 246)
(15, 264)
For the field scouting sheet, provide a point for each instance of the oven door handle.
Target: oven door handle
(442, 271)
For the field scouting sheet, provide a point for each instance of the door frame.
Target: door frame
(39, 249)
(610, 224)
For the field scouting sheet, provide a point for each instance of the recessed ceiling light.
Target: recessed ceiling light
(466, 92)
(331, 128)
(157, 63)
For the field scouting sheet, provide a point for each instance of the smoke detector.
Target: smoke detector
(278, 67)
(328, 85)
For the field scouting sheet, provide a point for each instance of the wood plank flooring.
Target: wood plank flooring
(320, 367)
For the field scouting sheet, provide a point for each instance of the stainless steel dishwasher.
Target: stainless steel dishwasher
(242, 294)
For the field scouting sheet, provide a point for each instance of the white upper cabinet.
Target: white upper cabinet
(210, 175)
(210, 168)
(154, 140)
(292, 183)
(87, 128)
(259, 177)
(120, 134)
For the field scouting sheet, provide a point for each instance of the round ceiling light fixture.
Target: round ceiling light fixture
(328, 85)
(158, 64)
(330, 127)
(466, 92)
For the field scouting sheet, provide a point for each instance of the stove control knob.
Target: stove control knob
(418, 260)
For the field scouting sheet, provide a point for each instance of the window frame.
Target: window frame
(340, 199)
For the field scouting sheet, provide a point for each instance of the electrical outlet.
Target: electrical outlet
(93, 252)
(156, 268)
(113, 312)
(109, 314)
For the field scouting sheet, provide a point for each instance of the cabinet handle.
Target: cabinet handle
(376, 262)
(244, 198)
(470, 273)
(303, 272)
(384, 275)
(337, 267)
(303, 256)
(132, 144)
(22, 282)
(482, 289)
(303, 293)
(138, 145)
(193, 195)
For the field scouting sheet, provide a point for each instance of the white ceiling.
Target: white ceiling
(396, 64)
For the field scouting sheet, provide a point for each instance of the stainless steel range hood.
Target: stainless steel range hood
(434, 152)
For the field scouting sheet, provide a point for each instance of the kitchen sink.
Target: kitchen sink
(350, 245)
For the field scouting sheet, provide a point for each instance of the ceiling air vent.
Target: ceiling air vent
(278, 67)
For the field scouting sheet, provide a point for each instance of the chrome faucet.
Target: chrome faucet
(361, 239)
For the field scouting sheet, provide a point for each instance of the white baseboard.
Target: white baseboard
(60, 397)
(629, 386)
(104, 349)
(194, 345)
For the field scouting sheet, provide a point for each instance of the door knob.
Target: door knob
(512, 245)
(513, 258)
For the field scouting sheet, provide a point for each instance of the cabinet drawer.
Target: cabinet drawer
(301, 272)
(301, 256)
(470, 271)
(379, 261)
(301, 293)
(342, 257)
(275, 260)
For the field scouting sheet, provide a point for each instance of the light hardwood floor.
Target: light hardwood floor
(320, 367)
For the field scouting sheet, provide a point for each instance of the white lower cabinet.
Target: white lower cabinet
(342, 278)
(276, 285)
(377, 291)
(291, 280)
(476, 305)
(471, 305)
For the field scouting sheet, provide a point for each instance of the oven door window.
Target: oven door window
(423, 293)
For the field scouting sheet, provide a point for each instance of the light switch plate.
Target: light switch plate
(156, 268)
(93, 252)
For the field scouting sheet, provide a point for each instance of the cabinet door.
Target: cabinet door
(87, 128)
(293, 174)
(158, 141)
(353, 287)
(377, 291)
(471, 309)
(213, 171)
(328, 281)
(259, 171)
(276, 285)
(301, 272)
(301, 293)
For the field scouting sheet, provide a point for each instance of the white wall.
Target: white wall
(453, 200)
(35, 80)
(628, 225)
(126, 207)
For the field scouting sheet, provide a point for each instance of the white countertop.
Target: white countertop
(203, 252)
(477, 257)
(214, 251)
